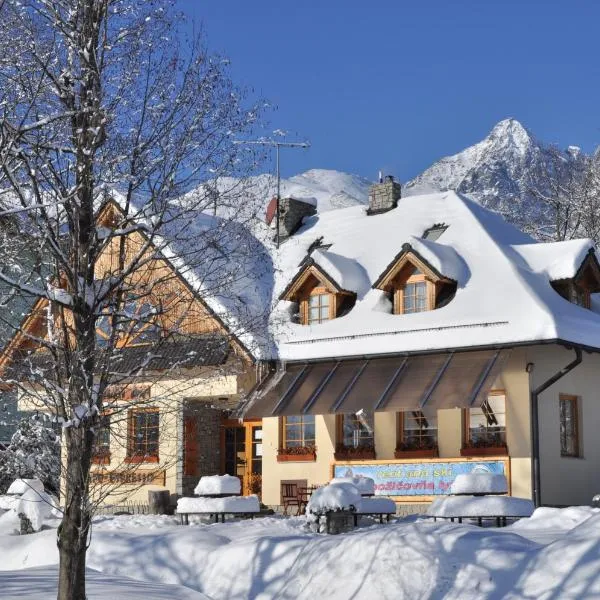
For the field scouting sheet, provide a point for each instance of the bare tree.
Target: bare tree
(110, 113)
(565, 197)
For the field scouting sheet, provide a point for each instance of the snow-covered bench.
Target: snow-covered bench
(219, 508)
(383, 508)
(481, 508)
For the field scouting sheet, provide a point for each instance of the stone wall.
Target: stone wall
(208, 442)
(292, 212)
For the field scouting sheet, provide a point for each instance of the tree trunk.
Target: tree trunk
(159, 501)
(74, 528)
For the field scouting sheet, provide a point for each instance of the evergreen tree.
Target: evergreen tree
(34, 451)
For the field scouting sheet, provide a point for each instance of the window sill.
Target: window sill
(310, 457)
(103, 459)
(141, 459)
(354, 454)
(417, 453)
(485, 451)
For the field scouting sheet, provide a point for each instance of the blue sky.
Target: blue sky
(398, 84)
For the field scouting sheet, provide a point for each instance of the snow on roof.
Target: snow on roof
(503, 294)
(221, 260)
(346, 273)
(440, 257)
(558, 260)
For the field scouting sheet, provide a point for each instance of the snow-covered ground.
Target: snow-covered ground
(555, 554)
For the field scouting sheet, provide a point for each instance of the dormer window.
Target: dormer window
(433, 233)
(319, 296)
(578, 289)
(414, 285)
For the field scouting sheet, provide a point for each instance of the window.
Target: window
(487, 424)
(101, 448)
(580, 296)
(137, 322)
(356, 430)
(414, 297)
(433, 233)
(569, 426)
(318, 308)
(417, 431)
(298, 432)
(142, 441)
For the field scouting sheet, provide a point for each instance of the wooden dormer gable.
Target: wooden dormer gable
(415, 285)
(319, 296)
(585, 282)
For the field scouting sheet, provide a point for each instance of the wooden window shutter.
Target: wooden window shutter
(190, 446)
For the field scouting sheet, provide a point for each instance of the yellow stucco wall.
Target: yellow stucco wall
(167, 395)
(514, 379)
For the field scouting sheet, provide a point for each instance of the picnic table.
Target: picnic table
(501, 521)
(184, 517)
(480, 497)
(382, 508)
(218, 507)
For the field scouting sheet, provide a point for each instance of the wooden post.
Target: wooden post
(159, 501)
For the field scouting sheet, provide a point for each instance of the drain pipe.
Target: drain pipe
(535, 426)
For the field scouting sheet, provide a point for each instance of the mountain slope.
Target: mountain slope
(247, 199)
(500, 172)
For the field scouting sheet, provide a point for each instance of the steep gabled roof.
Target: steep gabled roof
(503, 279)
(228, 269)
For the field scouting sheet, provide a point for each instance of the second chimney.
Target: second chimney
(291, 213)
(384, 196)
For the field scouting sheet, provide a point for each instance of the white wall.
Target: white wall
(565, 480)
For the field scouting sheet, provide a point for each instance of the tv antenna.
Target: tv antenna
(277, 145)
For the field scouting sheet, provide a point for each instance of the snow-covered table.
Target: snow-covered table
(341, 502)
(480, 495)
(375, 507)
(240, 506)
(481, 508)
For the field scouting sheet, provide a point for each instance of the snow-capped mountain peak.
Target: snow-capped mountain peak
(500, 158)
(509, 133)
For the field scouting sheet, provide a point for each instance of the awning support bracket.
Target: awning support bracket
(293, 386)
(429, 392)
(485, 373)
(315, 395)
(383, 399)
(349, 387)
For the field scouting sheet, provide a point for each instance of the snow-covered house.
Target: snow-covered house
(425, 336)
(179, 367)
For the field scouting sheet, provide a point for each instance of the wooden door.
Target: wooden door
(254, 464)
(241, 453)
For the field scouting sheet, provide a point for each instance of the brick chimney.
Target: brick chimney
(384, 196)
(291, 213)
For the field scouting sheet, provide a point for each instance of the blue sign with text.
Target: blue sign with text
(416, 479)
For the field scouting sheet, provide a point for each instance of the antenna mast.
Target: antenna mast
(276, 145)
